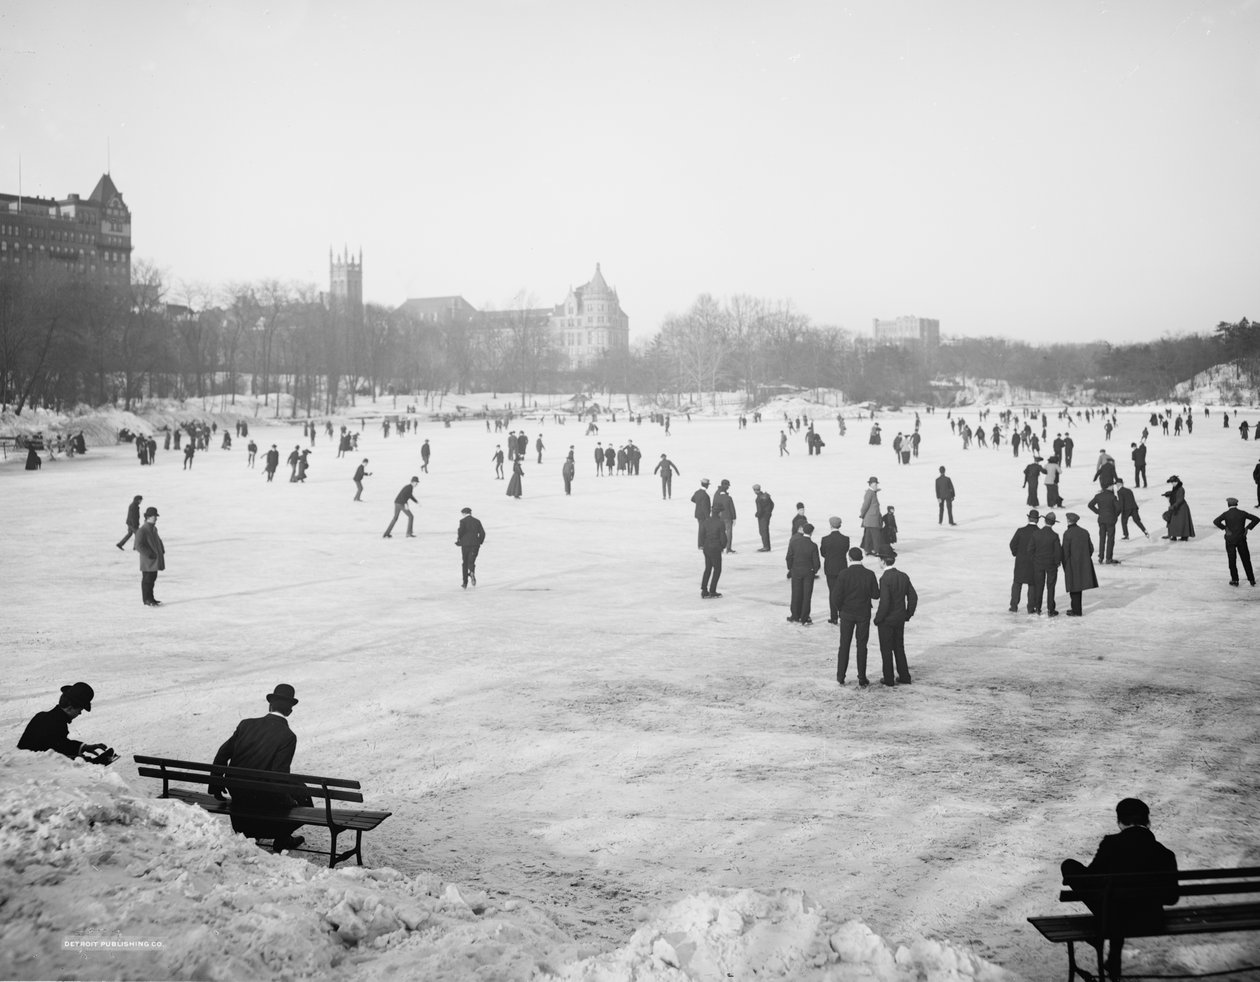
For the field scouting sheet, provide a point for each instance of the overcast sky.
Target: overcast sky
(1064, 170)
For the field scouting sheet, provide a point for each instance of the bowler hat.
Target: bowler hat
(150, 511)
(1049, 518)
(284, 693)
(79, 695)
(872, 480)
(1033, 515)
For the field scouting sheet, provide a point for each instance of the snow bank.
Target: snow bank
(101, 881)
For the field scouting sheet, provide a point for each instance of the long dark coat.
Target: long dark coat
(1179, 521)
(514, 485)
(152, 551)
(1019, 549)
(1078, 560)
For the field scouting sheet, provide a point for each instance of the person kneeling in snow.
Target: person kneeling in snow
(50, 730)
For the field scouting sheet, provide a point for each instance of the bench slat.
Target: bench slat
(280, 784)
(1209, 919)
(349, 819)
(191, 765)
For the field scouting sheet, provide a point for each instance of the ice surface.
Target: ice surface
(594, 773)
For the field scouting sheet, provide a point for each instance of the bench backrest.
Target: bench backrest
(1190, 883)
(246, 779)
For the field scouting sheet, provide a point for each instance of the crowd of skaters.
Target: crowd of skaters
(1040, 552)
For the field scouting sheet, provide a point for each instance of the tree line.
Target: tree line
(66, 341)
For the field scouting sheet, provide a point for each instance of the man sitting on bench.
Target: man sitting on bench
(264, 743)
(1133, 849)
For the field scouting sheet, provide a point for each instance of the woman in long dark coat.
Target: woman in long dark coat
(514, 485)
(1180, 525)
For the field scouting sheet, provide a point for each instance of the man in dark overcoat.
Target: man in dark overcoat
(469, 536)
(264, 743)
(1106, 506)
(945, 498)
(834, 549)
(856, 587)
(712, 542)
(50, 730)
(704, 508)
(1134, 849)
(152, 556)
(803, 564)
(1047, 555)
(1078, 563)
(1023, 561)
(762, 510)
(897, 603)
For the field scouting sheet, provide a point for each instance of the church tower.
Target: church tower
(345, 283)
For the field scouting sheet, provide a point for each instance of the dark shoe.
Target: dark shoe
(1112, 562)
(839, 681)
(905, 681)
(1073, 613)
(1053, 613)
(864, 683)
(704, 594)
(411, 535)
(891, 685)
(1014, 610)
(473, 578)
(1033, 610)
(1235, 583)
(832, 620)
(953, 523)
(386, 536)
(288, 842)
(119, 545)
(792, 620)
(714, 596)
(764, 549)
(806, 621)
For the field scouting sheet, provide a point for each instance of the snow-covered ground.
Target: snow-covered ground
(595, 774)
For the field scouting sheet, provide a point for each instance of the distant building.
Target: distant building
(587, 324)
(345, 283)
(909, 331)
(590, 322)
(88, 237)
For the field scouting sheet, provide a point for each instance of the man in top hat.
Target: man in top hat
(1236, 523)
(1047, 554)
(897, 603)
(1078, 563)
(152, 556)
(263, 743)
(704, 508)
(1023, 561)
(469, 536)
(763, 509)
(50, 730)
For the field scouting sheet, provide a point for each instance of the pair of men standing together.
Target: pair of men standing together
(856, 587)
(1038, 555)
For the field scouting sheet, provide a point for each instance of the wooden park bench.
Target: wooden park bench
(8, 443)
(330, 789)
(1106, 890)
